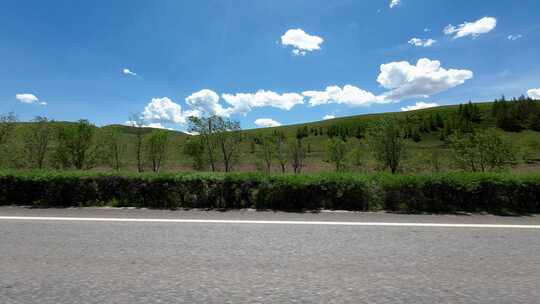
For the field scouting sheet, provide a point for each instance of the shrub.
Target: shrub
(449, 192)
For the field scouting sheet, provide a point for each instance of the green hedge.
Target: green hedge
(410, 193)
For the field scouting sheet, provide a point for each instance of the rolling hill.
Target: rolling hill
(422, 153)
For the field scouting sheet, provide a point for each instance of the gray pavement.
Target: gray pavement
(141, 262)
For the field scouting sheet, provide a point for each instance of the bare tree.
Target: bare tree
(36, 142)
(137, 122)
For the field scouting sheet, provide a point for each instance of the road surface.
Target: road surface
(134, 256)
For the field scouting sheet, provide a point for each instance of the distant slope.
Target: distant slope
(421, 153)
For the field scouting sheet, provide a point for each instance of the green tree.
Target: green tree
(74, 145)
(297, 155)
(282, 154)
(194, 148)
(221, 137)
(7, 124)
(36, 140)
(336, 151)
(481, 151)
(267, 151)
(156, 145)
(206, 128)
(137, 122)
(387, 143)
(111, 148)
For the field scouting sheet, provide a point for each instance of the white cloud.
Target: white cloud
(349, 95)
(27, 98)
(207, 102)
(165, 110)
(156, 125)
(478, 27)
(267, 123)
(244, 102)
(424, 79)
(427, 30)
(419, 106)
(534, 93)
(128, 72)
(301, 41)
(514, 37)
(395, 3)
(422, 42)
(327, 117)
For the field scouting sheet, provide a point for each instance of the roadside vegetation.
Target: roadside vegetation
(445, 192)
(497, 143)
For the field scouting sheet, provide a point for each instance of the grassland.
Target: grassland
(420, 153)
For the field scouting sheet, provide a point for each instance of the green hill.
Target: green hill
(427, 148)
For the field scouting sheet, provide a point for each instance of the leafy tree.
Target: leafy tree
(387, 144)
(137, 122)
(297, 155)
(156, 148)
(302, 133)
(356, 159)
(74, 146)
(206, 128)
(481, 151)
(228, 139)
(416, 136)
(194, 148)
(111, 148)
(36, 140)
(282, 154)
(7, 123)
(267, 151)
(336, 150)
(220, 137)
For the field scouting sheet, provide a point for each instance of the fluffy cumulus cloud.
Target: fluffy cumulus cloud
(128, 72)
(349, 95)
(164, 110)
(244, 102)
(419, 106)
(207, 102)
(424, 79)
(327, 117)
(27, 98)
(534, 93)
(395, 3)
(422, 42)
(301, 41)
(474, 29)
(267, 123)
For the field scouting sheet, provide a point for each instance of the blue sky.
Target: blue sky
(307, 59)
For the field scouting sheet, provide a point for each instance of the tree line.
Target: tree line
(80, 145)
(218, 141)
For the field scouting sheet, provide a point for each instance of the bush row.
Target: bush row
(472, 192)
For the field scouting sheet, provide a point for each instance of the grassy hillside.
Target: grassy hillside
(421, 153)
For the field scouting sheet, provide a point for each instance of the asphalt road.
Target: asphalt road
(152, 262)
